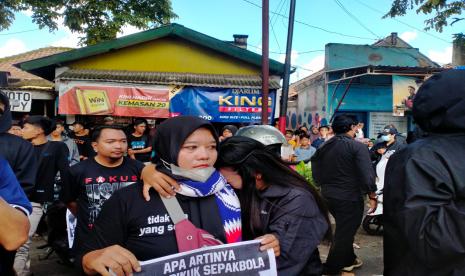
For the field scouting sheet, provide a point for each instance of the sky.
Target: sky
(318, 22)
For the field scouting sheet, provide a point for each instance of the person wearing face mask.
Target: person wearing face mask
(342, 168)
(275, 199)
(389, 145)
(186, 151)
(389, 137)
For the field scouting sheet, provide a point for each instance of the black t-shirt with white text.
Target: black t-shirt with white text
(91, 184)
(138, 143)
(145, 228)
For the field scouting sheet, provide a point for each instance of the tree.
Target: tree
(446, 12)
(96, 20)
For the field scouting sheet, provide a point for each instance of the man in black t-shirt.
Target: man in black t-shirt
(52, 157)
(139, 143)
(93, 181)
(82, 140)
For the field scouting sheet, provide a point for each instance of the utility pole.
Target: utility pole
(287, 69)
(265, 60)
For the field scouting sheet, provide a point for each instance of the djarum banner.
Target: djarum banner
(243, 258)
(229, 105)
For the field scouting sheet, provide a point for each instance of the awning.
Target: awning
(167, 78)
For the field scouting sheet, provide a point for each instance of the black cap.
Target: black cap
(389, 130)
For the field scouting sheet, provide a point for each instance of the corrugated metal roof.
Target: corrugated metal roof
(167, 78)
(339, 56)
(6, 63)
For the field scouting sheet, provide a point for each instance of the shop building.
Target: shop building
(375, 83)
(158, 73)
(28, 93)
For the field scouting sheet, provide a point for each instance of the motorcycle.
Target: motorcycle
(373, 221)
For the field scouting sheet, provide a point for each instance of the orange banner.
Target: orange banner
(118, 101)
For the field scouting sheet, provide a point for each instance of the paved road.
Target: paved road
(370, 252)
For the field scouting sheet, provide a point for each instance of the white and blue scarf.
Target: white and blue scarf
(226, 199)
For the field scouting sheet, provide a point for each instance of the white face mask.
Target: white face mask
(386, 138)
(200, 175)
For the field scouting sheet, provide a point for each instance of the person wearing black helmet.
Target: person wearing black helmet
(342, 167)
(52, 157)
(424, 191)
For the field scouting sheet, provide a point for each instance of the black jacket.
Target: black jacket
(424, 191)
(342, 167)
(18, 152)
(54, 158)
(294, 217)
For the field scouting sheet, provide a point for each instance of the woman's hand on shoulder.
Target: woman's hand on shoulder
(163, 184)
(268, 241)
(118, 259)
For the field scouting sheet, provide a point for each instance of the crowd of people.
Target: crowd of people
(131, 189)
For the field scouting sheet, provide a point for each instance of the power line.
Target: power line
(402, 22)
(20, 32)
(281, 53)
(312, 26)
(355, 18)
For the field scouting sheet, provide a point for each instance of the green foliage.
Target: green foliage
(97, 20)
(445, 11)
(305, 170)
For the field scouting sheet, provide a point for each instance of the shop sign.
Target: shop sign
(117, 101)
(20, 101)
(231, 105)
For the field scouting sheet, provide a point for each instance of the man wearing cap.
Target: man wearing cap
(342, 168)
(424, 191)
(51, 157)
(389, 143)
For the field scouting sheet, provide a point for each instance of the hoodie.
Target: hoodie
(18, 152)
(424, 191)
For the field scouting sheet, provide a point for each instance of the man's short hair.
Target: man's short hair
(98, 131)
(343, 123)
(59, 122)
(140, 121)
(304, 135)
(327, 127)
(289, 131)
(43, 122)
(79, 123)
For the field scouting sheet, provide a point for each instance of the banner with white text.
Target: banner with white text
(226, 105)
(243, 258)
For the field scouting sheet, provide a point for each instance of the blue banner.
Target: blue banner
(233, 105)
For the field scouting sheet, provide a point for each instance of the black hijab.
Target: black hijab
(171, 134)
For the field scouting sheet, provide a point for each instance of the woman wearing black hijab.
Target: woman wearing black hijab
(274, 199)
(187, 151)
